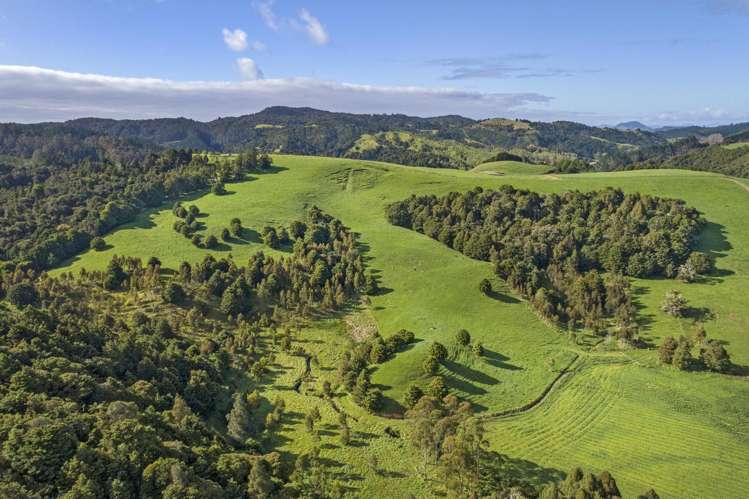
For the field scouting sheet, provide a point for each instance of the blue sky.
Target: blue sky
(658, 61)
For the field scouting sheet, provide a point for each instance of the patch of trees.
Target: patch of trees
(569, 254)
(711, 354)
(354, 369)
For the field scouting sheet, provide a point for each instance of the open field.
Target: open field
(683, 433)
(511, 168)
(736, 145)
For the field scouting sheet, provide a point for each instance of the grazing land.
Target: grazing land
(683, 433)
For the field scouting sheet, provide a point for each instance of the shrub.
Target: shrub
(430, 365)
(98, 244)
(478, 349)
(485, 286)
(700, 262)
(715, 357)
(438, 351)
(674, 304)
(462, 337)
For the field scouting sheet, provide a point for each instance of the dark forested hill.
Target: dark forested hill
(701, 131)
(311, 131)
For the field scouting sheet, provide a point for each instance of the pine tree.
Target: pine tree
(239, 420)
(413, 394)
(259, 483)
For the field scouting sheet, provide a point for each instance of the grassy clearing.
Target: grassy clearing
(736, 145)
(464, 153)
(511, 168)
(620, 412)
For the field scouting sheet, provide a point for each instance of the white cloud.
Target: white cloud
(249, 69)
(266, 12)
(236, 39)
(258, 46)
(30, 94)
(313, 27)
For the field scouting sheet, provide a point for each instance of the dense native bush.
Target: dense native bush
(555, 249)
(99, 404)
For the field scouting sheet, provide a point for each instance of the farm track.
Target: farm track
(742, 184)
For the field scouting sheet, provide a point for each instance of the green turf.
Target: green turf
(609, 414)
(736, 145)
(511, 168)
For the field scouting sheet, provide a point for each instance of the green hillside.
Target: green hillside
(684, 433)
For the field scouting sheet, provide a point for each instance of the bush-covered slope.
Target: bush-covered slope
(323, 133)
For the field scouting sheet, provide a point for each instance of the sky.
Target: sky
(662, 62)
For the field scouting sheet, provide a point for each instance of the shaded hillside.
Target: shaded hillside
(715, 158)
(701, 131)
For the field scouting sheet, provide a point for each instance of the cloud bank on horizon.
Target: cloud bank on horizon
(31, 94)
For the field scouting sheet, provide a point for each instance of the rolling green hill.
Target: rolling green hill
(684, 433)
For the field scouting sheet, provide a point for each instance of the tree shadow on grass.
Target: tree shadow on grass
(461, 385)
(503, 297)
(498, 360)
(221, 247)
(247, 236)
(713, 241)
(699, 314)
(519, 472)
(644, 321)
(469, 374)
(270, 170)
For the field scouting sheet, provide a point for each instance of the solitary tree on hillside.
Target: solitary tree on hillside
(674, 304)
